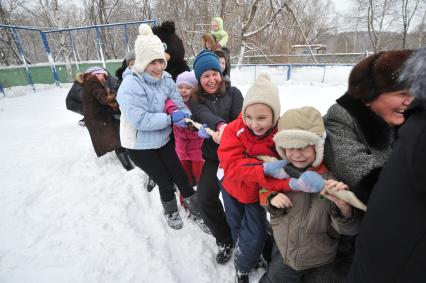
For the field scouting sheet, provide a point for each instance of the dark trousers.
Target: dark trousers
(248, 225)
(163, 166)
(277, 272)
(210, 205)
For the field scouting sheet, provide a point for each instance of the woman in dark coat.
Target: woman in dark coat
(391, 246)
(214, 103)
(101, 115)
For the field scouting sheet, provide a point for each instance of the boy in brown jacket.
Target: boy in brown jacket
(306, 226)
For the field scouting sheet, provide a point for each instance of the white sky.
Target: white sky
(342, 5)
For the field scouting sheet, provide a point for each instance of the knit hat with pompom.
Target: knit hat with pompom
(148, 47)
(265, 92)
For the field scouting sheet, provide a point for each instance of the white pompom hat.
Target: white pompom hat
(148, 47)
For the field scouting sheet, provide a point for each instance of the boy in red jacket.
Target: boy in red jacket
(243, 142)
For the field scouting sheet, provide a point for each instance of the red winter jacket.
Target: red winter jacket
(243, 172)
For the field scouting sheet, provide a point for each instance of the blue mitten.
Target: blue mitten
(275, 169)
(308, 182)
(178, 118)
(202, 132)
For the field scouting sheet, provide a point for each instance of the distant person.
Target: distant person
(101, 115)
(224, 61)
(209, 42)
(391, 246)
(128, 62)
(219, 33)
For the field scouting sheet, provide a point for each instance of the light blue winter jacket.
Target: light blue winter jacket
(144, 123)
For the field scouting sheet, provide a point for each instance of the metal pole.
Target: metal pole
(2, 90)
(323, 74)
(98, 37)
(73, 51)
(49, 57)
(126, 37)
(289, 72)
(21, 52)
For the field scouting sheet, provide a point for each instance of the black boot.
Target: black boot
(123, 156)
(191, 203)
(224, 253)
(241, 277)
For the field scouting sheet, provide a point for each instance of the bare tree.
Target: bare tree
(408, 10)
(7, 48)
(246, 24)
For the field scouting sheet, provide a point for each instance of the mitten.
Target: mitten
(169, 106)
(178, 118)
(202, 132)
(308, 182)
(275, 169)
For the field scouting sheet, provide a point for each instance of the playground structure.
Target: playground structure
(62, 71)
(82, 47)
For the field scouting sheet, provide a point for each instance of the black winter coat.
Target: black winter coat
(213, 109)
(392, 244)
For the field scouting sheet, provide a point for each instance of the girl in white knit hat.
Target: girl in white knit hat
(145, 127)
(306, 226)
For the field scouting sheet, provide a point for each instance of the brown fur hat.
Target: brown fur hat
(377, 74)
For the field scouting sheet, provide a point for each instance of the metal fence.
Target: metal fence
(93, 39)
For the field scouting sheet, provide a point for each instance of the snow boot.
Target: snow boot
(150, 185)
(123, 156)
(191, 203)
(224, 253)
(241, 277)
(172, 214)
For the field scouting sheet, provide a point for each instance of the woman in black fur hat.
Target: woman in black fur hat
(391, 246)
(361, 126)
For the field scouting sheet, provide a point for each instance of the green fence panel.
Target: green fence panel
(42, 74)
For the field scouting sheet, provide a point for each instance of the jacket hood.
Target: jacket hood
(79, 77)
(219, 23)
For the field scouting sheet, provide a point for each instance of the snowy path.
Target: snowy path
(68, 216)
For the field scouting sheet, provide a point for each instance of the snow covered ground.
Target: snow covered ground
(68, 216)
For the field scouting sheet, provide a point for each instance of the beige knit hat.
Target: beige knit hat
(148, 47)
(298, 128)
(265, 92)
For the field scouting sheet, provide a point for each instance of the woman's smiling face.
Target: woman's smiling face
(391, 106)
(210, 80)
